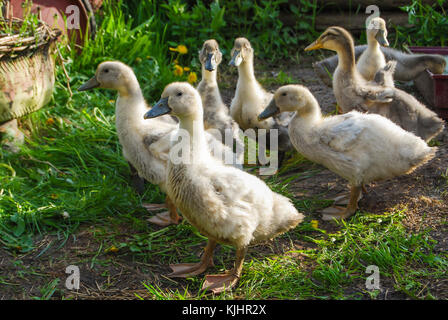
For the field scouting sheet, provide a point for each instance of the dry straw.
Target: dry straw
(13, 45)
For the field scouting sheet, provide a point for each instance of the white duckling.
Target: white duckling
(136, 136)
(250, 97)
(216, 113)
(145, 143)
(225, 204)
(359, 147)
(372, 59)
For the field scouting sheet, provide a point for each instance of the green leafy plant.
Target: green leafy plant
(429, 23)
(226, 20)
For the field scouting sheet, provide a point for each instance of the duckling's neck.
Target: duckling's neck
(346, 54)
(209, 90)
(130, 106)
(130, 87)
(194, 126)
(372, 43)
(209, 77)
(308, 115)
(246, 71)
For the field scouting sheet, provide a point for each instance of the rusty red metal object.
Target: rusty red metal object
(433, 87)
(60, 8)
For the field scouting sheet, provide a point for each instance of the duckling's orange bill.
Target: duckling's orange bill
(314, 46)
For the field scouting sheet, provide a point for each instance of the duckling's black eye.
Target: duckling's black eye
(179, 94)
(106, 70)
(284, 94)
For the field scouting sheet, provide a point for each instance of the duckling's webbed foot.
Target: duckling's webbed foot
(154, 206)
(344, 199)
(339, 213)
(184, 270)
(218, 283)
(334, 212)
(165, 218)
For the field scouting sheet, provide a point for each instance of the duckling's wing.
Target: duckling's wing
(150, 138)
(157, 139)
(385, 76)
(239, 190)
(220, 151)
(158, 145)
(376, 94)
(344, 135)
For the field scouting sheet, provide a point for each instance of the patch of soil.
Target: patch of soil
(103, 276)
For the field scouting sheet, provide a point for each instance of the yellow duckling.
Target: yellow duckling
(359, 147)
(225, 204)
(145, 143)
(372, 59)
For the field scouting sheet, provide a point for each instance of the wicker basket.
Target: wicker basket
(26, 70)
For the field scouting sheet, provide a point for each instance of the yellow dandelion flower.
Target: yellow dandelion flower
(112, 249)
(54, 196)
(314, 224)
(111, 101)
(138, 59)
(178, 70)
(182, 49)
(50, 121)
(176, 61)
(187, 69)
(192, 77)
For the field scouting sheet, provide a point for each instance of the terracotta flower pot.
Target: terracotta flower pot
(49, 9)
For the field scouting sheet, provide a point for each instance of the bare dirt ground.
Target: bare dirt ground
(107, 276)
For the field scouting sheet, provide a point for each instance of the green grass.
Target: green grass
(71, 174)
(72, 160)
(335, 268)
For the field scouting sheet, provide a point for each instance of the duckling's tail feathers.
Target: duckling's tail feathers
(425, 156)
(430, 125)
(285, 214)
